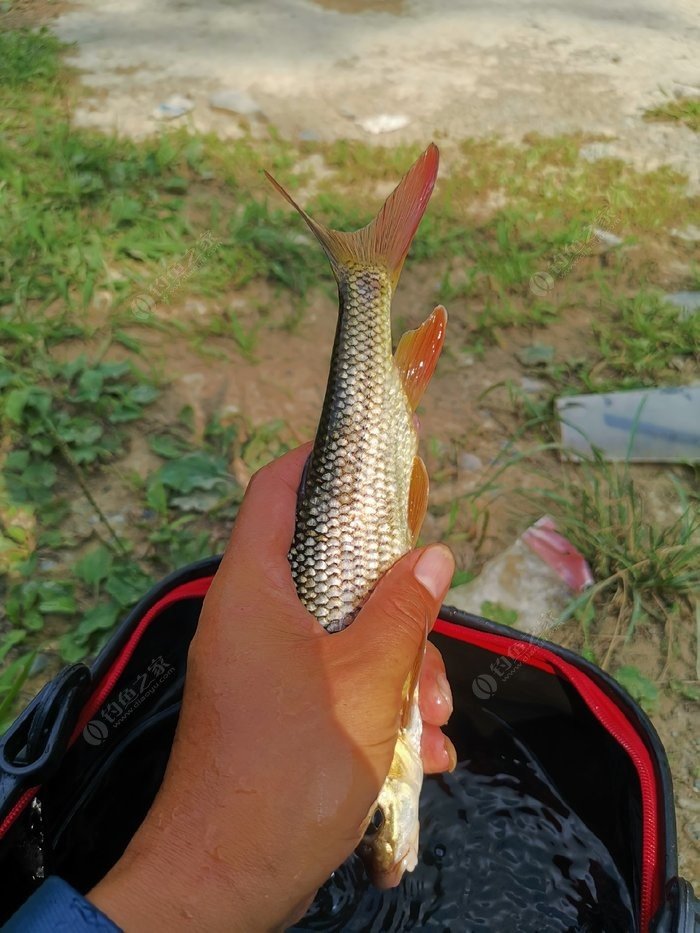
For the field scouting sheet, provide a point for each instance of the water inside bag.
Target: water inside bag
(500, 852)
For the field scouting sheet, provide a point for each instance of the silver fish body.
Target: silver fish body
(364, 492)
(352, 512)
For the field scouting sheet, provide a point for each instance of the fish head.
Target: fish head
(390, 844)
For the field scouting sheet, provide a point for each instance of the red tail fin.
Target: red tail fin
(384, 241)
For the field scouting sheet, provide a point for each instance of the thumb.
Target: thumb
(390, 629)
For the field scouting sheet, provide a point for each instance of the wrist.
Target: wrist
(163, 886)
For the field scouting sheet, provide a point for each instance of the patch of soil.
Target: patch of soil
(29, 14)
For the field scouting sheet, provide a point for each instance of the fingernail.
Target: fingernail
(451, 755)
(434, 570)
(444, 688)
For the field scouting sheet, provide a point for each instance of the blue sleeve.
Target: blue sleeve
(56, 907)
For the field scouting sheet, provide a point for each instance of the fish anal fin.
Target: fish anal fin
(385, 241)
(417, 355)
(417, 498)
(410, 691)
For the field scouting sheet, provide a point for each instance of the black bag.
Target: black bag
(82, 764)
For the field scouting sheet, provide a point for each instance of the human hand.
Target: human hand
(285, 736)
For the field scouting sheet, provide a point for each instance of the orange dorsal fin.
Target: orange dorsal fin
(417, 498)
(417, 355)
(385, 241)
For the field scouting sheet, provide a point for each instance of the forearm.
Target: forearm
(174, 877)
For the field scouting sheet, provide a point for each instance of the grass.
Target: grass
(108, 237)
(647, 570)
(685, 110)
(644, 341)
(28, 59)
(641, 566)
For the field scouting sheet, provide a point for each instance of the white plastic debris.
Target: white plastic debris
(646, 425)
(234, 101)
(470, 462)
(690, 233)
(685, 90)
(519, 580)
(606, 237)
(175, 106)
(594, 152)
(384, 123)
(688, 302)
(533, 386)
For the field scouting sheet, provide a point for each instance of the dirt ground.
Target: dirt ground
(443, 69)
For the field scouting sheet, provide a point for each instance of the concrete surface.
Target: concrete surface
(448, 67)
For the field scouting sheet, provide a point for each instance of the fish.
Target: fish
(364, 492)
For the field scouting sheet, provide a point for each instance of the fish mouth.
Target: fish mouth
(390, 879)
(384, 880)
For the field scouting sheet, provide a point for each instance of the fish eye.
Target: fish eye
(376, 822)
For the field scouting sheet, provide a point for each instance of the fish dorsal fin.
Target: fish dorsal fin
(385, 241)
(417, 355)
(417, 498)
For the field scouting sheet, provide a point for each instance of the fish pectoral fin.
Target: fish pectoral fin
(385, 241)
(417, 498)
(417, 355)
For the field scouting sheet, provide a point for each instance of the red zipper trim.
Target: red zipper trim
(613, 719)
(23, 801)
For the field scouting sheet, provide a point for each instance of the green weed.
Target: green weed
(685, 110)
(498, 612)
(12, 679)
(73, 414)
(28, 58)
(188, 506)
(644, 570)
(639, 687)
(643, 341)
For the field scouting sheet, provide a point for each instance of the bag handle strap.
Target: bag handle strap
(35, 744)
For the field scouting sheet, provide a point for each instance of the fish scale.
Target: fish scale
(364, 492)
(352, 523)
